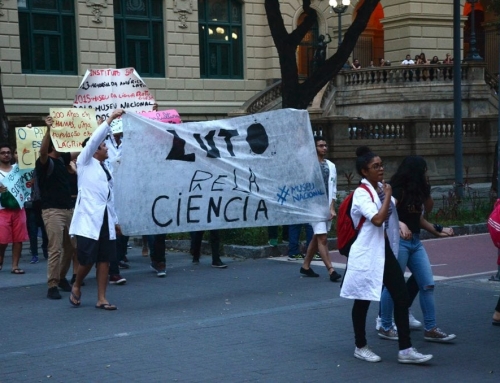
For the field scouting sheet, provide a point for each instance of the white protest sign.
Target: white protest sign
(170, 116)
(28, 142)
(71, 127)
(18, 182)
(257, 170)
(105, 90)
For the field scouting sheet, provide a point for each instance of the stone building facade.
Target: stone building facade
(208, 56)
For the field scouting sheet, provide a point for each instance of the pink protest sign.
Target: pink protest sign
(105, 90)
(170, 116)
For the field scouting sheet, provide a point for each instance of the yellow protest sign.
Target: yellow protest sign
(71, 127)
(28, 142)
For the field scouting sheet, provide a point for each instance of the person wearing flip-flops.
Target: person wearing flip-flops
(12, 221)
(95, 224)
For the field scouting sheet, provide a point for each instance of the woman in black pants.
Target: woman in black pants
(372, 262)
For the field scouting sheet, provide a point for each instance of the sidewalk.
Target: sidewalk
(256, 321)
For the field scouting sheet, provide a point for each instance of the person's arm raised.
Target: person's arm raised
(44, 147)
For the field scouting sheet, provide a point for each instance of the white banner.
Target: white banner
(258, 170)
(105, 90)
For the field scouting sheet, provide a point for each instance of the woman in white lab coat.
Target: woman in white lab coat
(372, 262)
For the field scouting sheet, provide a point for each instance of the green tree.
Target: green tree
(297, 94)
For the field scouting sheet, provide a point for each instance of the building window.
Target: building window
(139, 36)
(47, 36)
(221, 47)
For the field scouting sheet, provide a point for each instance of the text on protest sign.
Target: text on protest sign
(170, 116)
(18, 182)
(71, 127)
(259, 170)
(28, 142)
(105, 90)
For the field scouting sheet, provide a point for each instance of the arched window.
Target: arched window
(305, 51)
(47, 36)
(221, 39)
(139, 36)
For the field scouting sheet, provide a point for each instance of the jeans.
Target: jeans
(157, 248)
(34, 221)
(395, 284)
(413, 255)
(294, 237)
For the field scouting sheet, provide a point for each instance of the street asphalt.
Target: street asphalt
(256, 321)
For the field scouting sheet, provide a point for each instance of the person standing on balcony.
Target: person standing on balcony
(319, 242)
(408, 74)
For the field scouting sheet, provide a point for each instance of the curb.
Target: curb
(266, 251)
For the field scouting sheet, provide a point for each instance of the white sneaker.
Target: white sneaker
(411, 355)
(366, 354)
(414, 323)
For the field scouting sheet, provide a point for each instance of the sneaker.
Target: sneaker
(219, 264)
(411, 355)
(296, 257)
(391, 334)
(334, 277)
(366, 354)
(196, 260)
(53, 293)
(34, 259)
(438, 335)
(159, 267)
(117, 279)
(308, 273)
(123, 265)
(273, 242)
(414, 323)
(317, 257)
(125, 259)
(64, 285)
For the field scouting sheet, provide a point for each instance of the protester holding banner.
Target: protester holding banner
(57, 211)
(196, 239)
(319, 240)
(12, 216)
(95, 223)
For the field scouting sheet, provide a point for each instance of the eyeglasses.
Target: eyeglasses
(322, 146)
(5, 153)
(377, 166)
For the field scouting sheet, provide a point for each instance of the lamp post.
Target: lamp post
(473, 54)
(339, 7)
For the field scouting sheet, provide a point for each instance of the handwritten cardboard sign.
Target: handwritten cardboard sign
(71, 127)
(18, 182)
(28, 142)
(105, 90)
(170, 116)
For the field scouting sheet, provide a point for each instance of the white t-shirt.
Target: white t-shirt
(408, 62)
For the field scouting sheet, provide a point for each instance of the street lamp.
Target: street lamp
(339, 7)
(473, 54)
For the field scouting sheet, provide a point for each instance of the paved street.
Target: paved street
(257, 320)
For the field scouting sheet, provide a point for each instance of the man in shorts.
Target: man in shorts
(94, 222)
(12, 221)
(319, 242)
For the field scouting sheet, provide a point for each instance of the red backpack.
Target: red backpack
(494, 224)
(346, 232)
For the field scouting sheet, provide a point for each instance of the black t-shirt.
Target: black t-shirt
(54, 182)
(408, 213)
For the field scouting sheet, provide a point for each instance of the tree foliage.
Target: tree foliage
(297, 94)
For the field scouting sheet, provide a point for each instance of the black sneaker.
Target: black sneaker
(53, 293)
(334, 277)
(219, 264)
(64, 285)
(196, 260)
(308, 273)
(123, 265)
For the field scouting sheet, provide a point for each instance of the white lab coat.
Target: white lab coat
(365, 266)
(95, 192)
